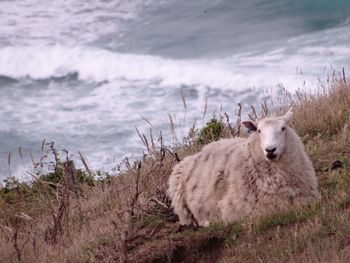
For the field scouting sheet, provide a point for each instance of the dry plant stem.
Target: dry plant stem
(159, 202)
(43, 145)
(205, 108)
(71, 174)
(15, 243)
(9, 164)
(174, 155)
(85, 164)
(32, 159)
(238, 112)
(70, 171)
(60, 213)
(229, 125)
(152, 141)
(141, 136)
(183, 99)
(265, 110)
(172, 127)
(121, 244)
(252, 115)
(147, 120)
(137, 191)
(20, 152)
(146, 143)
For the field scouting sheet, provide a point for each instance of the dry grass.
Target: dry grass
(323, 113)
(127, 218)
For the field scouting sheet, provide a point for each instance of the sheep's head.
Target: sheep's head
(272, 134)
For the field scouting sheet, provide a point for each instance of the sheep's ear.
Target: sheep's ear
(288, 116)
(251, 126)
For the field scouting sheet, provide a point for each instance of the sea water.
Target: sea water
(84, 74)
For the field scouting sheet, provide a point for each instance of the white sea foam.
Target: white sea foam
(70, 22)
(239, 72)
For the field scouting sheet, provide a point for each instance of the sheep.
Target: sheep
(241, 177)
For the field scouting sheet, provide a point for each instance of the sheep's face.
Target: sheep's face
(272, 134)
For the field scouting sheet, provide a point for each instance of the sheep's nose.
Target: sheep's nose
(270, 150)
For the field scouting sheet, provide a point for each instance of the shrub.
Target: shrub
(212, 131)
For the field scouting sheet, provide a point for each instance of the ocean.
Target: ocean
(84, 74)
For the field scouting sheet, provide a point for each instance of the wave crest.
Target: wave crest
(98, 65)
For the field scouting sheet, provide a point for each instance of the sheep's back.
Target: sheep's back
(209, 174)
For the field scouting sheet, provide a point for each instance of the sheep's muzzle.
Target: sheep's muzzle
(271, 156)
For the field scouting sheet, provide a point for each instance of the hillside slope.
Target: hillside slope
(68, 216)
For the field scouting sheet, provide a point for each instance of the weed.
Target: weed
(212, 131)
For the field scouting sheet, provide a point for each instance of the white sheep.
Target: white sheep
(234, 178)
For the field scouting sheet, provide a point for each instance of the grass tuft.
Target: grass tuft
(283, 219)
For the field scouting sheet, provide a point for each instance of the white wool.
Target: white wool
(234, 178)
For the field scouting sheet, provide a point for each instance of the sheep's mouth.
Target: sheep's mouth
(271, 156)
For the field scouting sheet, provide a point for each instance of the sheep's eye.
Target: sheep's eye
(259, 131)
(283, 128)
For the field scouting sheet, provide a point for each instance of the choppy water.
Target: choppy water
(83, 73)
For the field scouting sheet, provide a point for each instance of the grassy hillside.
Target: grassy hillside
(67, 216)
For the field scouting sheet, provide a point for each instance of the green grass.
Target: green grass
(283, 219)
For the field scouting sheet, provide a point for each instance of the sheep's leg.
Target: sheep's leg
(178, 200)
(182, 210)
(205, 223)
